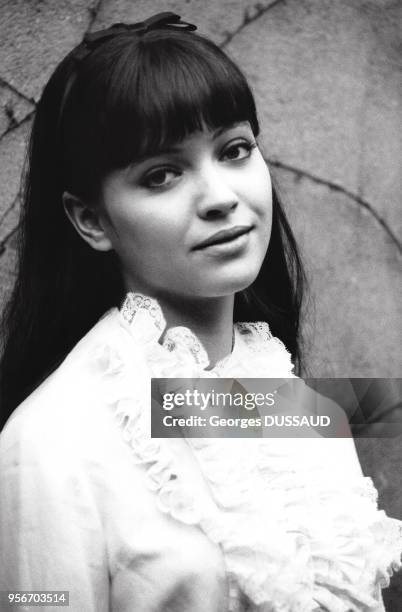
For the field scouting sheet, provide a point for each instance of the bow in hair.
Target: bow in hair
(166, 20)
(92, 40)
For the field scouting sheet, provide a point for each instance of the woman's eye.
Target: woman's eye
(162, 177)
(238, 151)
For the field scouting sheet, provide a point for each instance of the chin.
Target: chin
(231, 284)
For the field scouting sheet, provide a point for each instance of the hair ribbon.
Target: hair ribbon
(167, 20)
(92, 40)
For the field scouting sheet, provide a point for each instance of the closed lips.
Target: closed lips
(224, 236)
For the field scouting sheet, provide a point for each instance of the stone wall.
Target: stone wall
(326, 75)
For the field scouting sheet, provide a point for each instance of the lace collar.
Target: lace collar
(145, 320)
(273, 507)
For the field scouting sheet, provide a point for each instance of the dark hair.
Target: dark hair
(129, 96)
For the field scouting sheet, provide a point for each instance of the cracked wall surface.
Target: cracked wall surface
(326, 76)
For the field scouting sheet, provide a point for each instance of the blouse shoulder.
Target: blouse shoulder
(67, 405)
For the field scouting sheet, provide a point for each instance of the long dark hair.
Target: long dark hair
(127, 98)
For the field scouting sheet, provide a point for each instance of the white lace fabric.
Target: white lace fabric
(296, 521)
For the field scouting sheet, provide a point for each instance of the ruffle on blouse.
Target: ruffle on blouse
(315, 540)
(294, 537)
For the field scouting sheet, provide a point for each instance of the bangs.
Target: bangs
(152, 92)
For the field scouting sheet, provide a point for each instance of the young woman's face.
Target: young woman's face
(195, 220)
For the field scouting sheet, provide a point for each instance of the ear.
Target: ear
(87, 221)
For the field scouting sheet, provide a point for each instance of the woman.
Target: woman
(146, 188)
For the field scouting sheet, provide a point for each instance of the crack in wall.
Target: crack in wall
(14, 124)
(299, 173)
(3, 243)
(93, 12)
(249, 17)
(10, 208)
(18, 124)
(16, 91)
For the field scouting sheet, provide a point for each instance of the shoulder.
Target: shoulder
(68, 414)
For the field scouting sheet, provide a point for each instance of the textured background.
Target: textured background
(326, 75)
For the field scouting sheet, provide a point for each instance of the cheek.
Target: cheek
(261, 196)
(144, 233)
(260, 189)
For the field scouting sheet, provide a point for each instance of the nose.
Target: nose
(215, 196)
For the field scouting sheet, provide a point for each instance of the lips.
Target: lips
(223, 236)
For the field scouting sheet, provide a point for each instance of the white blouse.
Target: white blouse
(89, 503)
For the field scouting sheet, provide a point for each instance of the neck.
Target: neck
(210, 319)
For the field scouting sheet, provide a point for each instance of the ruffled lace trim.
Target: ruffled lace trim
(293, 545)
(319, 543)
(292, 541)
(135, 303)
(186, 357)
(255, 329)
(159, 464)
(178, 337)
